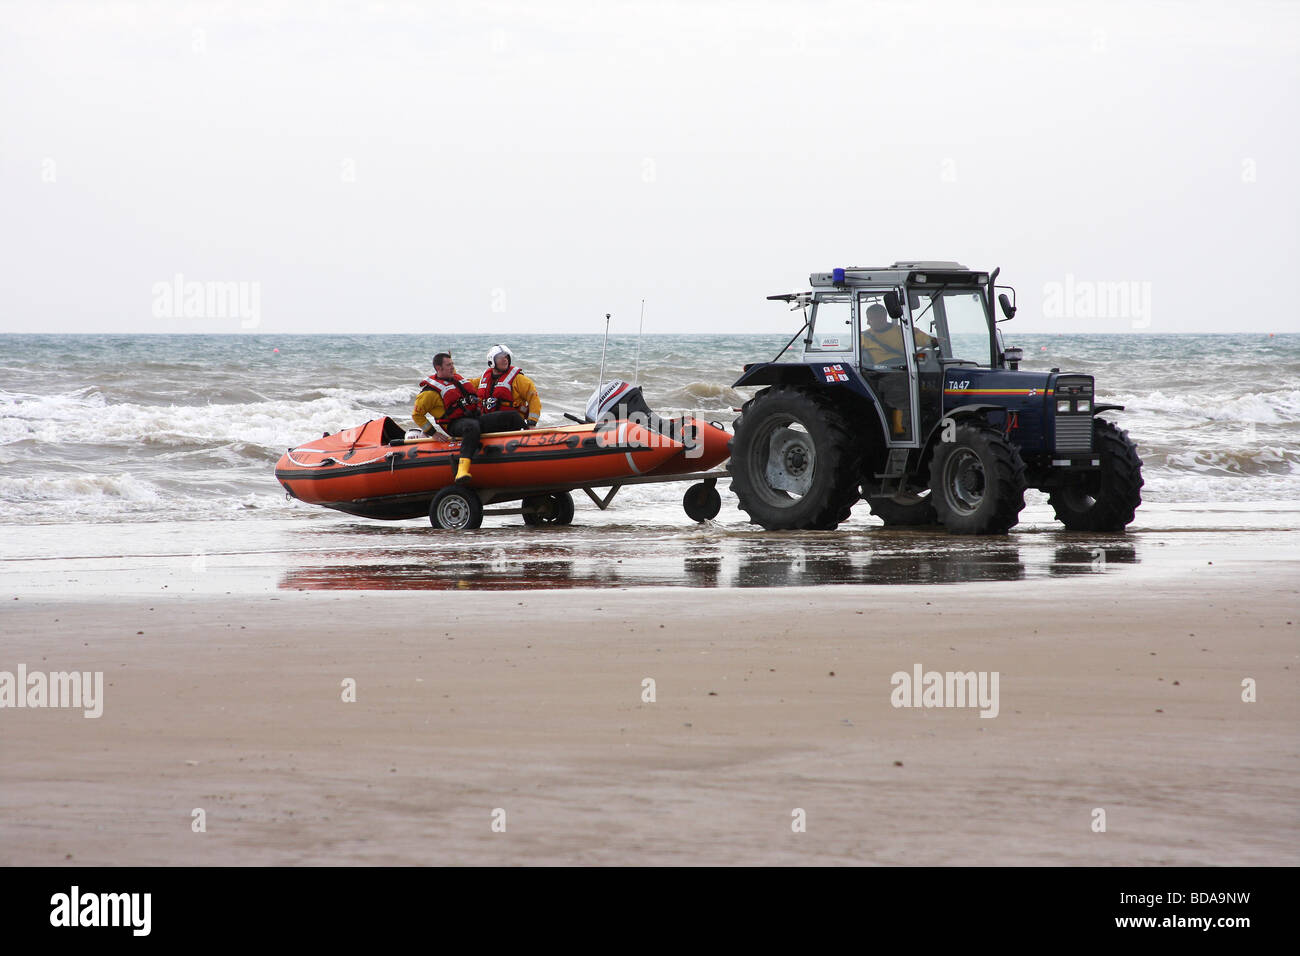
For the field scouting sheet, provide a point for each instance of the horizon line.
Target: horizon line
(251, 334)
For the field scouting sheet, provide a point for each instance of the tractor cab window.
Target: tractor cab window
(830, 329)
(956, 318)
(881, 337)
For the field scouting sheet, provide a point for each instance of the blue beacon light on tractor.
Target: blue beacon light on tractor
(837, 276)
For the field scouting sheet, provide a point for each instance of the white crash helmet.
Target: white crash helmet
(494, 352)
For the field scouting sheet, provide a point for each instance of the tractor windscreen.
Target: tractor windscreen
(956, 318)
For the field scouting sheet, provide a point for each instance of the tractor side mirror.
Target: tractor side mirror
(893, 305)
(1008, 309)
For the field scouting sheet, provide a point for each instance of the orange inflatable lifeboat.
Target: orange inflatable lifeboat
(374, 471)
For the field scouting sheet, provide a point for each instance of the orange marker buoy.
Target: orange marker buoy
(275, 350)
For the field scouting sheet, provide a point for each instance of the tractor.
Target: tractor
(904, 394)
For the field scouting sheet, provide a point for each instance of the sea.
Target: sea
(129, 459)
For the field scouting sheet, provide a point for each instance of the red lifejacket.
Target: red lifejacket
(457, 399)
(498, 394)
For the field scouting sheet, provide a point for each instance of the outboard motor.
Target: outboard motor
(618, 401)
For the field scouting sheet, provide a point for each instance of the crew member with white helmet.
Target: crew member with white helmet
(503, 387)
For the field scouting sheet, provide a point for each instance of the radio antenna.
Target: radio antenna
(601, 383)
(636, 374)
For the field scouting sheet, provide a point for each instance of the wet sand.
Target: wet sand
(1115, 692)
(642, 545)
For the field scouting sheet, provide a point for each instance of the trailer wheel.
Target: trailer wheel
(456, 508)
(1103, 500)
(548, 509)
(702, 502)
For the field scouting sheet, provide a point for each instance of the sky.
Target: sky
(529, 167)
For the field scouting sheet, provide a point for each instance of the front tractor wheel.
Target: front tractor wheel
(794, 461)
(1106, 499)
(977, 482)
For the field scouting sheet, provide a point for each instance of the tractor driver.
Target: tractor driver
(882, 344)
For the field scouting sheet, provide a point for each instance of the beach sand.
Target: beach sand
(1116, 694)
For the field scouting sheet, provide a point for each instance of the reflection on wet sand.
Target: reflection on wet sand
(420, 577)
(984, 565)
(1091, 559)
(727, 561)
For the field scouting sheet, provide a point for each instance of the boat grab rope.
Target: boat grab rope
(334, 461)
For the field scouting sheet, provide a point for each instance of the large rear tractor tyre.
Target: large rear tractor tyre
(1106, 499)
(977, 482)
(554, 509)
(834, 521)
(794, 461)
(905, 510)
(456, 508)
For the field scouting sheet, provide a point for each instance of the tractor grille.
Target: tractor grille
(1074, 421)
(1074, 433)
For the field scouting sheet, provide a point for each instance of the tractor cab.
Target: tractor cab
(899, 327)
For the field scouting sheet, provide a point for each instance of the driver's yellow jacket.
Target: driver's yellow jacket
(886, 347)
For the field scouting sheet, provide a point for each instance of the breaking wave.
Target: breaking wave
(1280, 407)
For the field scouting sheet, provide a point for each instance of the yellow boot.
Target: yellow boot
(897, 416)
(463, 476)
